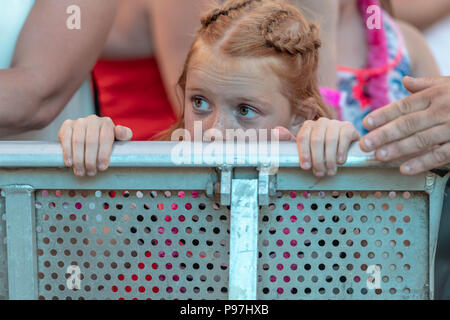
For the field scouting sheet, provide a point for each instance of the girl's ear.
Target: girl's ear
(180, 97)
(308, 111)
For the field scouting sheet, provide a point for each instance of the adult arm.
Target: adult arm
(420, 13)
(51, 62)
(174, 24)
(423, 63)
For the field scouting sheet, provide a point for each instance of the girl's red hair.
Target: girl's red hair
(266, 28)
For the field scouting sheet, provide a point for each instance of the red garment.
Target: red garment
(132, 94)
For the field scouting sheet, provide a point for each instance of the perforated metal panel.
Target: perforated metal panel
(326, 245)
(68, 241)
(3, 254)
(131, 245)
(134, 245)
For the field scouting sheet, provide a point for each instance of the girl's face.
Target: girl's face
(234, 93)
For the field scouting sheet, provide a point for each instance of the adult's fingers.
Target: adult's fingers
(65, 137)
(400, 128)
(436, 158)
(414, 85)
(418, 142)
(303, 145)
(78, 146)
(416, 102)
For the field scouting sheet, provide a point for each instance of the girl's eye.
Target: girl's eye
(247, 112)
(200, 104)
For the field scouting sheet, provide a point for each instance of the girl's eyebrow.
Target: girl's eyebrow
(195, 89)
(241, 99)
(201, 90)
(252, 100)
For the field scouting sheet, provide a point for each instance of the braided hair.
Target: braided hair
(293, 44)
(266, 29)
(224, 11)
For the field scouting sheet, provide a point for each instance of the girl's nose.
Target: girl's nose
(221, 120)
(218, 125)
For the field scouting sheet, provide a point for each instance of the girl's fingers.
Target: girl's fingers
(78, 146)
(347, 135)
(303, 145)
(331, 146)
(106, 143)
(65, 137)
(123, 133)
(92, 140)
(318, 146)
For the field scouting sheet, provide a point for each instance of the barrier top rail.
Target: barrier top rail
(160, 154)
(213, 231)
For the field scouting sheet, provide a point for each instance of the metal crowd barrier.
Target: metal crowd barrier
(150, 229)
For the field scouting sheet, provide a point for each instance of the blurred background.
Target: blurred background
(432, 17)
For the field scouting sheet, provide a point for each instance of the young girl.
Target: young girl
(253, 65)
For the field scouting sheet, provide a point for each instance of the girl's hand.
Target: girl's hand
(323, 144)
(87, 143)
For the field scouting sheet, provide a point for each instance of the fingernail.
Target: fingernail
(341, 158)
(368, 143)
(331, 172)
(306, 165)
(102, 166)
(319, 174)
(79, 172)
(69, 161)
(407, 169)
(91, 173)
(370, 122)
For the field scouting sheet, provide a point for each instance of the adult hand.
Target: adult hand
(415, 129)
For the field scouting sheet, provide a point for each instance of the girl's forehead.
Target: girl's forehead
(213, 64)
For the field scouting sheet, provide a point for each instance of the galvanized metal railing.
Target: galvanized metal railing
(151, 229)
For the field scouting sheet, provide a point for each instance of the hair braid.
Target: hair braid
(224, 11)
(294, 43)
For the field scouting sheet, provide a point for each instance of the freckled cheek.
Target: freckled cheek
(192, 120)
(225, 120)
(220, 119)
(274, 121)
(189, 120)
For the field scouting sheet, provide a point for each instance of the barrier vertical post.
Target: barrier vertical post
(21, 242)
(243, 240)
(434, 186)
